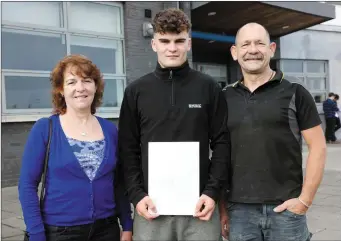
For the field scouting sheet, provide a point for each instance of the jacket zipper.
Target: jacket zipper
(171, 77)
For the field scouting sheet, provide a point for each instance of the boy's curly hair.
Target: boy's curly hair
(171, 20)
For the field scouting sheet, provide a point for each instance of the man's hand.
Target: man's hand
(293, 205)
(204, 208)
(146, 208)
(126, 236)
(224, 220)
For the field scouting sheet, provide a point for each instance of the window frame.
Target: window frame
(95, 33)
(223, 67)
(305, 74)
(62, 14)
(23, 115)
(21, 73)
(121, 65)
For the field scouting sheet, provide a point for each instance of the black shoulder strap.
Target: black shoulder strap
(43, 177)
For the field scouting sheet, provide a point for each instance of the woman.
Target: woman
(84, 195)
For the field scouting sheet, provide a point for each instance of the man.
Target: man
(267, 116)
(337, 117)
(174, 104)
(330, 109)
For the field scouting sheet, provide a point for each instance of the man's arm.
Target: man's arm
(310, 125)
(129, 147)
(220, 144)
(315, 140)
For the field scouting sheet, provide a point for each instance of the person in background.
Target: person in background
(330, 110)
(174, 103)
(267, 117)
(84, 184)
(337, 116)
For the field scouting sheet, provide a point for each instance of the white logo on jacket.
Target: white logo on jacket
(194, 105)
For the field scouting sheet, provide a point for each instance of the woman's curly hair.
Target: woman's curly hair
(83, 67)
(171, 20)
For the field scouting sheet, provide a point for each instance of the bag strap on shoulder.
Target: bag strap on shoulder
(43, 177)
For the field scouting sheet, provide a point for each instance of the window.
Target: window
(32, 13)
(105, 53)
(27, 92)
(31, 50)
(293, 66)
(218, 72)
(113, 92)
(108, 18)
(312, 74)
(36, 35)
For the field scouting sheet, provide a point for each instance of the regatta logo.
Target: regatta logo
(194, 105)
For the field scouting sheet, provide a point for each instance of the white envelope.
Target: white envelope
(173, 177)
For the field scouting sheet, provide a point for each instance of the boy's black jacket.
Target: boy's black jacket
(173, 105)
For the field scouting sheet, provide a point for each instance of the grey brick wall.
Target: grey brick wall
(13, 139)
(140, 58)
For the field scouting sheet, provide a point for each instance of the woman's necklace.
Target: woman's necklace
(84, 133)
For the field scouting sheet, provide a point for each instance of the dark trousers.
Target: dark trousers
(337, 124)
(101, 230)
(330, 129)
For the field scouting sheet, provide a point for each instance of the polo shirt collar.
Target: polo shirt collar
(278, 77)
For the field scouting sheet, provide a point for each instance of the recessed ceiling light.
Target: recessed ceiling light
(211, 41)
(212, 13)
(286, 26)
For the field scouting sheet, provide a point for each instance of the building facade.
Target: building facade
(36, 35)
(313, 56)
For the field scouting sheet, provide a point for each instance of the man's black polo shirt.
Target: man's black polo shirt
(266, 157)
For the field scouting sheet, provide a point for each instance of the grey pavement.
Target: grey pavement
(324, 217)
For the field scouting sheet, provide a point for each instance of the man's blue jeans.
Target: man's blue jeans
(259, 222)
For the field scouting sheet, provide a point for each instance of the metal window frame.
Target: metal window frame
(282, 65)
(23, 115)
(5, 23)
(80, 31)
(305, 74)
(5, 73)
(197, 65)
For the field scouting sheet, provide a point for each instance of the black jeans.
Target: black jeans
(101, 230)
(330, 129)
(337, 124)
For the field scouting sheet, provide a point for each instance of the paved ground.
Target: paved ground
(324, 218)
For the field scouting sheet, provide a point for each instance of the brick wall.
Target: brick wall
(140, 58)
(13, 139)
